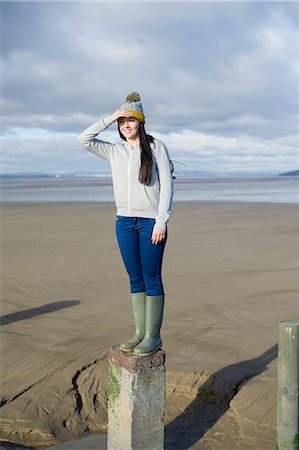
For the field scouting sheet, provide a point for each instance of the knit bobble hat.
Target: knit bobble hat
(134, 106)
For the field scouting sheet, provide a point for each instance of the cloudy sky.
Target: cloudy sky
(218, 80)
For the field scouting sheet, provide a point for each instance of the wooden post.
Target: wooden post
(136, 398)
(287, 437)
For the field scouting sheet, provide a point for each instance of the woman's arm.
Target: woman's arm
(166, 186)
(88, 137)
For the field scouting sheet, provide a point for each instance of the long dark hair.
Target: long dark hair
(146, 157)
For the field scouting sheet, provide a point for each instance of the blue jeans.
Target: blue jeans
(142, 259)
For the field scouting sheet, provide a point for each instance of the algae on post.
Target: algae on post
(113, 383)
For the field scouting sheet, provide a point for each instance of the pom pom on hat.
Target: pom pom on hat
(134, 106)
(133, 97)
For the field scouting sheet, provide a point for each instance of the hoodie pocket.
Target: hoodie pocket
(142, 198)
(120, 198)
(152, 195)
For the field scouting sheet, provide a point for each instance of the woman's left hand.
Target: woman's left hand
(157, 235)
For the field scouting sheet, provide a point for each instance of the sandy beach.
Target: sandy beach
(230, 275)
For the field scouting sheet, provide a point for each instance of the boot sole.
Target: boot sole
(126, 350)
(147, 354)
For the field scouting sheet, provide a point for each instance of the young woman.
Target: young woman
(143, 191)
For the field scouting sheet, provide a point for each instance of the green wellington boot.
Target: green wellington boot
(138, 303)
(153, 320)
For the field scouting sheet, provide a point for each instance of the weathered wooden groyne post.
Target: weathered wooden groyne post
(287, 424)
(136, 399)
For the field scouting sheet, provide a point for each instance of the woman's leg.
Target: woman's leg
(128, 239)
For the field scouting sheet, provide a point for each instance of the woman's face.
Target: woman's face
(129, 127)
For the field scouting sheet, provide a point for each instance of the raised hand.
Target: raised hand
(120, 113)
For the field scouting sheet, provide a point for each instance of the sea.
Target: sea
(98, 188)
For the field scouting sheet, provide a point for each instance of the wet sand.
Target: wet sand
(230, 275)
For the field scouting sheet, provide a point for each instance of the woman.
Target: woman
(143, 190)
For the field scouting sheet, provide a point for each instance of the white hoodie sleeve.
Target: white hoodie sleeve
(88, 138)
(166, 185)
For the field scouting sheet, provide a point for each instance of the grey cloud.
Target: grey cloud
(87, 56)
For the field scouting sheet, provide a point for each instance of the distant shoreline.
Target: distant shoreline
(294, 173)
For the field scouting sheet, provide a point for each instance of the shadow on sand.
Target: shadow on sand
(32, 312)
(211, 402)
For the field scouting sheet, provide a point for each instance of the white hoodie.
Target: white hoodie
(132, 198)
